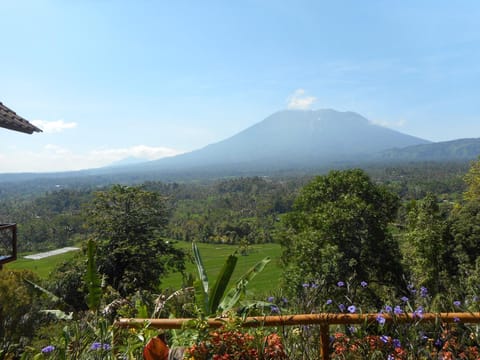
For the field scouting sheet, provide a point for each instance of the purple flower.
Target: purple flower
(438, 343)
(341, 307)
(404, 299)
(388, 309)
(419, 312)
(390, 357)
(329, 301)
(352, 329)
(314, 286)
(96, 346)
(270, 299)
(274, 309)
(99, 346)
(352, 309)
(306, 285)
(457, 303)
(363, 284)
(397, 343)
(340, 284)
(456, 319)
(397, 310)
(380, 319)
(284, 300)
(423, 292)
(384, 339)
(48, 349)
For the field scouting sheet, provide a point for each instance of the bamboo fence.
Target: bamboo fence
(324, 320)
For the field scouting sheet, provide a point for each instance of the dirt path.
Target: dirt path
(51, 253)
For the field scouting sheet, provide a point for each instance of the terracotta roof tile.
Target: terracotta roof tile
(10, 120)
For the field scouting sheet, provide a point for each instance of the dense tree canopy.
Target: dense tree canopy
(127, 223)
(339, 228)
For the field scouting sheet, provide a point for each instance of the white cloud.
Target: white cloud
(138, 151)
(54, 126)
(53, 158)
(55, 149)
(300, 101)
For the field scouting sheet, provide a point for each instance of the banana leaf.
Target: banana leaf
(92, 279)
(233, 295)
(201, 269)
(200, 296)
(51, 295)
(218, 290)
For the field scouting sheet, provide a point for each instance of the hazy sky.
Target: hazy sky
(110, 79)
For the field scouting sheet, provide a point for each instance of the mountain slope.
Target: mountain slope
(296, 138)
(454, 150)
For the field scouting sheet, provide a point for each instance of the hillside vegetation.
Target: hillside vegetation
(322, 235)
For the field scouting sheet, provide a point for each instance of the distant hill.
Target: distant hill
(454, 150)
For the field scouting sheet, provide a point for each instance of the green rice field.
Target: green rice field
(213, 256)
(41, 267)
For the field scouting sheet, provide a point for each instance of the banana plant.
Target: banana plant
(216, 299)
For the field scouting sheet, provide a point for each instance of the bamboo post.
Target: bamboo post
(324, 341)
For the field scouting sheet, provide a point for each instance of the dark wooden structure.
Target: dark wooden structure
(8, 243)
(8, 232)
(10, 120)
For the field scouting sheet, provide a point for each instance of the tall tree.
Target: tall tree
(472, 178)
(339, 228)
(128, 224)
(428, 245)
(465, 224)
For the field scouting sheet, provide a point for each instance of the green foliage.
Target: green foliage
(67, 281)
(19, 311)
(337, 228)
(128, 224)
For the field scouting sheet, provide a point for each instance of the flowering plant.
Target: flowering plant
(232, 344)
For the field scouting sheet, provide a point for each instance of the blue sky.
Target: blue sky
(111, 79)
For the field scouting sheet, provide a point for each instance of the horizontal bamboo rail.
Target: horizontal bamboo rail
(323, 319)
